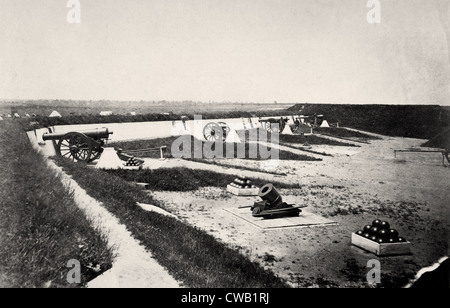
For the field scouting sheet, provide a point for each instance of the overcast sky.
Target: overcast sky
(225, 50)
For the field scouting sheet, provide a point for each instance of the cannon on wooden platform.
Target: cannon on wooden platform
(272, 205)
(79, 146)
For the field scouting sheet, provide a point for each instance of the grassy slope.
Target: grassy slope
(155, 143)
(41, 228)
(342, 132)
(415, 121)
(190, 254)
(441, 140)
(184, 179)
(253, 135)
(312, 139)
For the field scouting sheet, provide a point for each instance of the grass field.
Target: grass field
(41, 227)
(93, 108)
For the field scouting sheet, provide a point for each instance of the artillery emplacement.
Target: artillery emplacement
(272, 205)
(84, 146)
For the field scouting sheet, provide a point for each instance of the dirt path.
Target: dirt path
(133, 266)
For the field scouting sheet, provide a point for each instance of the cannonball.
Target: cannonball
(384, 225)
(367, 228)
(383, 233)
(376, 223)
(393, 233)
(374, 230)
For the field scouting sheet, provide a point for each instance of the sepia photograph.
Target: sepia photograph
(225, 151)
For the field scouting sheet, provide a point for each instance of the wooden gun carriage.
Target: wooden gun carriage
(79, 146)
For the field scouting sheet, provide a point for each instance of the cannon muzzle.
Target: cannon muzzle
(270, 194)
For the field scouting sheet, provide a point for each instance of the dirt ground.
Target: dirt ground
(353, 187)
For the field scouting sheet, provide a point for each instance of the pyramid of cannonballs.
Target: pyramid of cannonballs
(381, 232)
(132, 161)
(242, 183)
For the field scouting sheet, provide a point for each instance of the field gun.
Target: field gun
(216, 131)
(79, 146)
(274, 125)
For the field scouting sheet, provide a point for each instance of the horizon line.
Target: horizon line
(211, 102)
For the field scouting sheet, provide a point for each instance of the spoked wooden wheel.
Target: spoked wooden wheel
(95, 153)
(274, 126)
(216, 131)
(75, 146)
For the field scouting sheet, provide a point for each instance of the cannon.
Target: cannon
(216, 131)
(272, 205)
(274, 125)
(79, 146)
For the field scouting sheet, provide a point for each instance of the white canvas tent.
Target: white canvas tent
(232, 137)
(1, 118)
(324, 124)
(105, 113)
(287, 130)
(55, 114)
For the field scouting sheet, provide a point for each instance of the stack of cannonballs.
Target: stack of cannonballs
(132, 161)
(242, 183)
(380, 231)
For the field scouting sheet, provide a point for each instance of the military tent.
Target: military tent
(55, 114)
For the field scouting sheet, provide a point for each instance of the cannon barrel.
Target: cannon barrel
(99, 133)
(270, 194)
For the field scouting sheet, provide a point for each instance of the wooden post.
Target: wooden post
(161, 151)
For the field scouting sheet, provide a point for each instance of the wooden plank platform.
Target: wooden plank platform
(305, 219)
